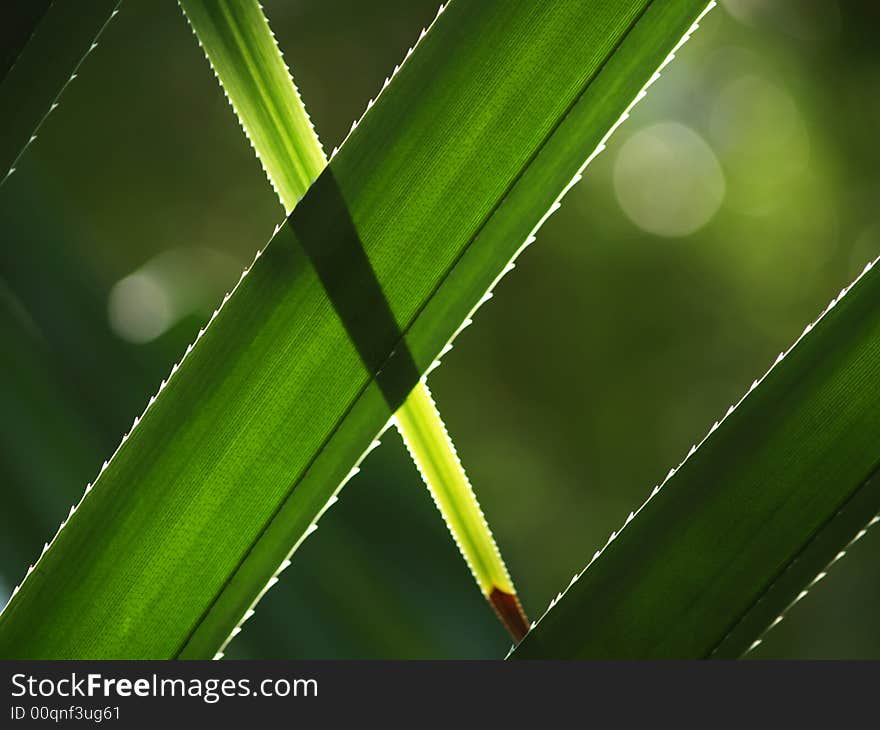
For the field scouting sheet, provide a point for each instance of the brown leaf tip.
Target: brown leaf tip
(511, 613)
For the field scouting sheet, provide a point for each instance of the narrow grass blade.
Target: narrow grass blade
(433, 452)
(752, 517)
(63, 405)
(439, 186)
(246, 59)
(66, 34)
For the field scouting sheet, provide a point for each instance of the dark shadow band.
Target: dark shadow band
(326, 232)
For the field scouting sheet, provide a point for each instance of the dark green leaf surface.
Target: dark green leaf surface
(39, 426)
(55, 427)
(772, 496)
(443, 180)
(66, 33)
(20, 19)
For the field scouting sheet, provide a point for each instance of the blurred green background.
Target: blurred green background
(741, 196)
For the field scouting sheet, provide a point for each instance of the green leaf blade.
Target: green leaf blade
(260, 89)
(770, 498)
(452, 169)
(233, 34)
(31, 89)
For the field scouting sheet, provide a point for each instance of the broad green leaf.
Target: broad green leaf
(62, 37)
(246, 59)
(419, 213)
(55, 426)
(752, 517)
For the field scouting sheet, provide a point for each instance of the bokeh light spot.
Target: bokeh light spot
(806, 20)
(176, 283)
(140, 308)
(668, 180)
(756, 123)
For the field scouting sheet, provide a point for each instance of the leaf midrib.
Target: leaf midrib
(873, 473)
(415, 316)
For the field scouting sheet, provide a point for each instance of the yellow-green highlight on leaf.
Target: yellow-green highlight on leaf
(432, 450)
(245, 56)
(449, 174)
(241, 48)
